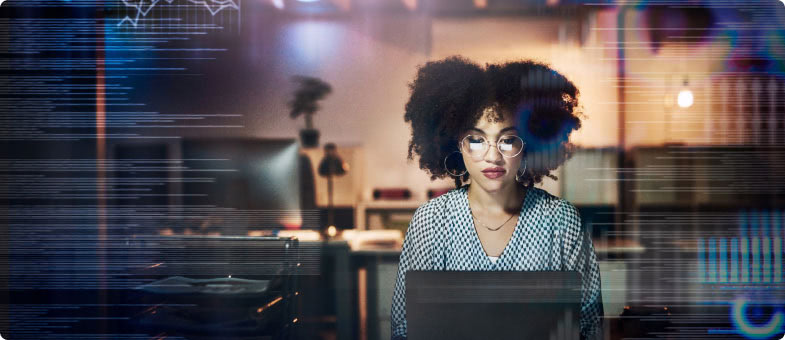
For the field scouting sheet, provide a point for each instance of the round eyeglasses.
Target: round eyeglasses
(476, 146)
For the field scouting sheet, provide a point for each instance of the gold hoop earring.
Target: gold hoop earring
(448, 168)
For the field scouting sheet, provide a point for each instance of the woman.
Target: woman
(501, 128)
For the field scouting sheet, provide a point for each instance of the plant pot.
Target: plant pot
(309, 138)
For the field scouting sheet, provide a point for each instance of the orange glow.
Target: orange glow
(410, 4)
(292, 221)
(269, 304)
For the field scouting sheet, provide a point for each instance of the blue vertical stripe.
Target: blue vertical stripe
(777, 259)
(712, 260)
(755, 252)
(723, 275)
(701, 261)
(734, 260)
(766, 259)
(745, 267)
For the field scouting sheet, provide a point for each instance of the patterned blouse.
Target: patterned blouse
(548, 236)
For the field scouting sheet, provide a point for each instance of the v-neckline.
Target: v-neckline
(501, 257)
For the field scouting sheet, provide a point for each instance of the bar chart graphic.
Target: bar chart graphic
(754, 256)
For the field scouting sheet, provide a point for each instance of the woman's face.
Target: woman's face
(492, 170)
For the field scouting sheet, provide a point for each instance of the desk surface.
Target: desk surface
(377, 252)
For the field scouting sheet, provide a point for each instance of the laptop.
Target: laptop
(493, 305)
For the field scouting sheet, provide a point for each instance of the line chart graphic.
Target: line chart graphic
(144, 7)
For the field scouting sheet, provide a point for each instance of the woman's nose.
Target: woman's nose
(493, 155)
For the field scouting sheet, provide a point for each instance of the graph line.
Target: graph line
(144, 7)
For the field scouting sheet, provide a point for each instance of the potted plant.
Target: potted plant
(309, 91)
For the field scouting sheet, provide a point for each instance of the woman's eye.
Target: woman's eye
(475, 145)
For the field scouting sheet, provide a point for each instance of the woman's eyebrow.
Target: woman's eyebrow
(502, 130)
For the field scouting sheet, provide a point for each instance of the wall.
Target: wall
(370, 59)
(654, 78)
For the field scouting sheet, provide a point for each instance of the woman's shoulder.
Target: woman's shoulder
(551, 204)
(429, 220)
(442, 203)
(563, 212)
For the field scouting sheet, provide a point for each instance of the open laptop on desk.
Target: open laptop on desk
(493, 305)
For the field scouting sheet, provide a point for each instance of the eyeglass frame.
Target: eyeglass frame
(523, 145)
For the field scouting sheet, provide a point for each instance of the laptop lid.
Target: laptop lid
(493, 305)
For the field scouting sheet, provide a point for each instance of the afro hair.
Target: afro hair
(449, 96)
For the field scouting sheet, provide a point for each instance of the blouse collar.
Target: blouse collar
(520, 225)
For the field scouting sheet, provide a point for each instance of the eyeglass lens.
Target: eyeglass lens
(477, 145)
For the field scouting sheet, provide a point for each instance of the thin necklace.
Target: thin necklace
(491, 229)
(505, 222)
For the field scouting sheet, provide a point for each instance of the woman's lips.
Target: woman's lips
(493, 174)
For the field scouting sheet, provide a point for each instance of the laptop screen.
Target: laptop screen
(492, 305)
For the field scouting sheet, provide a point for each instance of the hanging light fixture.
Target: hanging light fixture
(685, 98)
